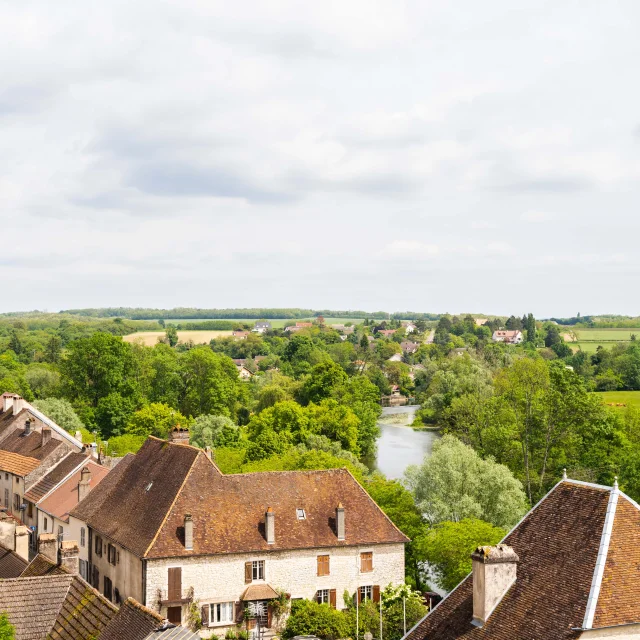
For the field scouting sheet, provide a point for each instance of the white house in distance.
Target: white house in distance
(168, 539)
(262, 326)
(409, 327)
(508, 337)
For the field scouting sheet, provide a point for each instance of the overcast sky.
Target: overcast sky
(429, 155)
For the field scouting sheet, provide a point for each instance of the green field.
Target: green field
(628, 398)
(590, 339)
(277, 323)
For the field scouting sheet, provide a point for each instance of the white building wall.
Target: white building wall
(220, 578)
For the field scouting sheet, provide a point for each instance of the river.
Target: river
(399, 445)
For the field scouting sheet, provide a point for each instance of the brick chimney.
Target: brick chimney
(340, 528)
(494, 571)
(69, 556)
(21, 545)
(18, 404)
(7, 401)
(270, 526)
(84, 485)
(48, 546)
(46, 435)
(188, 532)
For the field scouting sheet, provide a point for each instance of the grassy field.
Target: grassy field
(590, 339)
(149, 338)
(628, 398)
(278, 323)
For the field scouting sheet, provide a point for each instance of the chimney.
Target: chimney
(48, 546)
(207, 452)
(46, 435)
(179, 435)
(84, 485)
(340, 521)
(270, 526)
(78, 436)
(7, 401)
(69, 556)
(21, 545)
(27, 426)
(494, 571)
(188, 532)
(18, 404)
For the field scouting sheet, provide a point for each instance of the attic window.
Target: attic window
(149, 486)
(301, 514)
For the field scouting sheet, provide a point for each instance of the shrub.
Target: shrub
(310, 618)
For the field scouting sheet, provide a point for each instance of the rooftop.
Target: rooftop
(17, 464)
(57, 474)
(11, 564)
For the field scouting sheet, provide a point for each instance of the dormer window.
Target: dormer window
(300, 513)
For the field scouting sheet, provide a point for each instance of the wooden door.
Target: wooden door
(174, 615)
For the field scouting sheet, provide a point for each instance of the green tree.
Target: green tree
(531, 328)
(121, 445)
(335, 421)
(214, 431)
(7, 630)
(449, 546)
(112, 414)
(324, 379)
(53, 350)
(171, 335)
(43, 380)
(61, 412)
(165, 384)
(455, 483)
(309, 618)
(154, 419)
(15, 344)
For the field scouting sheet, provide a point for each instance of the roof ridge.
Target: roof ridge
(175, 499)
(57, 485)
(283, 471)
(601, 560)
(174, 444)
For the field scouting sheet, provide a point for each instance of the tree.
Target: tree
(455, 483)
(43, 380)
(61, 412)
(449, 546)
(112, 414)
(121, 445)
(15, 344)
(53, 350)
(165, 384)
(309, 618)
(171, 335)
(155, 419)
(324, 379)
(211, 384)
(214, 431)
(7, 630)
(552, 337)
(335, 421)
(531, 328)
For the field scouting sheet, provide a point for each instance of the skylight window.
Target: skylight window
(301, 514)
(149, 486)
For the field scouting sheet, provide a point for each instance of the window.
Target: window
(83, 569)
(30, 509)
(82, 535)
(301, 514)
(111, 554)
(366, 561)
(96, 577)
(323, 565)
(60, 531)
(116, 596)
(6, 476)
(6, 498)
(98, 546)
(257, 570)
(366, 593)
(174, 584)
(16, 501)
(221, 613)
(322, 596)
(108, 588)
(46, 524)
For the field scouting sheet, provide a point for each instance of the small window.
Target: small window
(111, 554)
(46, 525)
(98, 546)
(82, 537)
(30, 509)
(60, 531)
(323, 565)
(301, 514)
(17, 480)
(116, 596)
(366, 593)
(366, 561)
(258, 570)
(221, 613)
(322, 596)
(108, 588)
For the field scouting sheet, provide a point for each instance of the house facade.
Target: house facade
(230, 541)
(508, 337)
(262, 326)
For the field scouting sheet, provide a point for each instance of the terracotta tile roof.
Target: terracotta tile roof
(42, 566)
(64, 498)
(11, 564)
(58, 607)
(17, 464)
(228, 512)
(132, 622)
(579, 552)
(58, 473)
(130, 507)
(30, 445)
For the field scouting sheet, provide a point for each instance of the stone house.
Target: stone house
(508, 337)
(567, 571)
(408, 346)
(194, 534)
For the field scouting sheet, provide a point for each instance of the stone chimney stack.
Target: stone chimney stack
(69, 553)
(188, 532)
(270, 526)
(494, 571)
(340, 528)
(46, 435)
(21, 545)
(78, 436)
(27, 427)
(48, 546)
(18, 404)
(84, 485)
(179, 435)
(7, 401)
(207, 452)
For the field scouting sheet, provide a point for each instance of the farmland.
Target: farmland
(590, 339)
(628, 398)
(149, 338)
(277, 323)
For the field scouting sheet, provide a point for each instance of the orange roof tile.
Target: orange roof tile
(17, 464)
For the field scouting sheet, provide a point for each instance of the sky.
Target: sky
(424, 155)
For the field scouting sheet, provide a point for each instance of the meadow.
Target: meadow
(277, 323)
(590, 339)
(149, 338)
(628, 398)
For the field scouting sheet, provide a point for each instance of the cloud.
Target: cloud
(536, 216)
